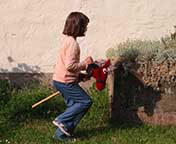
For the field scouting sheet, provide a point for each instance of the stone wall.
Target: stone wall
(144, 92)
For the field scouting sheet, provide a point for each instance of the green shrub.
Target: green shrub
(133, 48)
(19, 108)
(98, 114)
(158, 51)
(5, 92)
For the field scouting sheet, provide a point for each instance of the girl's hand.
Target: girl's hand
(83, 77)
(89, 60)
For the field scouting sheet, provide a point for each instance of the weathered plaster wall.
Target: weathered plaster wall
(30, 30)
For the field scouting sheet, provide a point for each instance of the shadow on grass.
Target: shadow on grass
(110, 128)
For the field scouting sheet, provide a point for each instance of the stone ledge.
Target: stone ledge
(21, 79)
(159, 118)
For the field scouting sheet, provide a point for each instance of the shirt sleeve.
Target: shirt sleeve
(72, 55)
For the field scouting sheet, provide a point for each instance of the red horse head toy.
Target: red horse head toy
(99, 70)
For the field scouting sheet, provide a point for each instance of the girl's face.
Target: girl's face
(85, 30)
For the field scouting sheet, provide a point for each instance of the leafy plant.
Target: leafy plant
(19, 108)
(99, 111)
(5, 92)
(131, 49)
(157, 51)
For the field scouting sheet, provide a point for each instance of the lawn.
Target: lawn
(94, 128)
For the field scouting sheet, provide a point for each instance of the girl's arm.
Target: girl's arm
(72, 59)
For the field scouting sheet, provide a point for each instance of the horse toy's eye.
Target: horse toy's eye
(104, 70)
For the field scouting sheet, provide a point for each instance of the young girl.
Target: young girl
(66, 75)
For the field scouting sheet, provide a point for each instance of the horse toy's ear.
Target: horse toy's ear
(107, 63)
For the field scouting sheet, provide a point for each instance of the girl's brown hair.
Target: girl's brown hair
(76, 24)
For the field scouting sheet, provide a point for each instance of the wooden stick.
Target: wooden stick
(45, 99)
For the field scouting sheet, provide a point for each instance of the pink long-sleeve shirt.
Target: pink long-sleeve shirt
(68, 64)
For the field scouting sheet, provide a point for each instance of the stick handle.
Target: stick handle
(45, 99)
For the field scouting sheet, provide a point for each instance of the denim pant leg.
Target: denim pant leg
(71, 117)
(58, 133)
(80, 103)
(79, 117)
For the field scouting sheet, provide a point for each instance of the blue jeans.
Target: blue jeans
(78, 102)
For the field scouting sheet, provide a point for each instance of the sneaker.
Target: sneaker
(61, 127)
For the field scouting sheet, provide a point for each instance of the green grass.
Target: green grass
(41, 131)
(93, 129)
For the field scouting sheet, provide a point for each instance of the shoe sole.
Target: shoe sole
(56, 124)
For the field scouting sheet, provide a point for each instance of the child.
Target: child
(66, 74)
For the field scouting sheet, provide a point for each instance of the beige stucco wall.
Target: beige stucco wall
(30, 30)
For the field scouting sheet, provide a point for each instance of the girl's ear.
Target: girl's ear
(107, 63)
